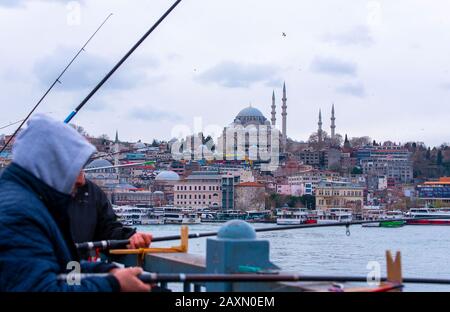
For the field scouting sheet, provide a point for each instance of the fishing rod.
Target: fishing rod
(11, 124)
(139, 149)
(152, 162)
(57, 80)
(112, 244)
(124, 58)
(150, 278)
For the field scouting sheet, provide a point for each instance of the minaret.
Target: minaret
(333, 125)
(284, 117)
(116, 151)
(274, 113)
(319, 130)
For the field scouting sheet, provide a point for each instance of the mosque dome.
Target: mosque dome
(250, 112)
(98, 163)
(167, 175)
(250, 115)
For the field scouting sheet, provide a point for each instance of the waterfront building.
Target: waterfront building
(137, 197)
(199, 190)
(333, 194)
(435, 191)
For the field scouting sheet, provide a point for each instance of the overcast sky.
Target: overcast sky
(385, 64)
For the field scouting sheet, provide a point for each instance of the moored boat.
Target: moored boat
(437, 216)
(292, 216)
(334, 215)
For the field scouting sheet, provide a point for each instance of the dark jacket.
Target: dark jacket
(35, 238)
(92, 217)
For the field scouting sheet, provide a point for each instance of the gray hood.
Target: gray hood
(52, 151)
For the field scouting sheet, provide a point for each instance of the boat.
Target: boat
(392, 215)
(129, 215)
(260, 216)
(154, 217)
(227, 215)
(434, 213)
(207, 215)
(385, 220)
(292, 216)
(334, 215)
(177, 215)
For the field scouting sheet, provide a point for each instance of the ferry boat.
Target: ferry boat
(385, 220)
(153, 217)
(227, 215)
(260, 216)
(334, 215)
(177, 215)
(207, 215)
(292, 216)
(129, 215)
(443, 213)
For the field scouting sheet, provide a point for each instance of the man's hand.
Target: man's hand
(140, 240)
(128, 280)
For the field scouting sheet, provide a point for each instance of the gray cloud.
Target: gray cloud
(333, 66)
(152, 114)
(358, 35)
(354, 89)
(235, 75)
(88, 69)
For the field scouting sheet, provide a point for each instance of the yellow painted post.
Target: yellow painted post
(184, 238)
(394, 267)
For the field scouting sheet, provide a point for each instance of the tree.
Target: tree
(313, 140)
(337, 140)
(360, 141)
(439, 158)
(357, 170)
(79, 129)
(428, 154)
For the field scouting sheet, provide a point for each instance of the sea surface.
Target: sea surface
(425, 249)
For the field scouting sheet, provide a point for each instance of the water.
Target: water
(328, 251)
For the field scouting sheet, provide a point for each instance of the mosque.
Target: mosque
(252, 136)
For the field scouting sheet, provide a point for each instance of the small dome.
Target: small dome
(167, 175)
(139, 145)
(98, 163)
(250, 112)
(236, 229)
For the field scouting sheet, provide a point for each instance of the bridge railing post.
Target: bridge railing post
(236, 250)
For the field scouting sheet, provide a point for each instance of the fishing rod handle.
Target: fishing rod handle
(103, 245)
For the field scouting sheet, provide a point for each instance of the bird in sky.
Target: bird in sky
(283, 34)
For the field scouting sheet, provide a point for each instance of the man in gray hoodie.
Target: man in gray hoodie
(35, 237)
